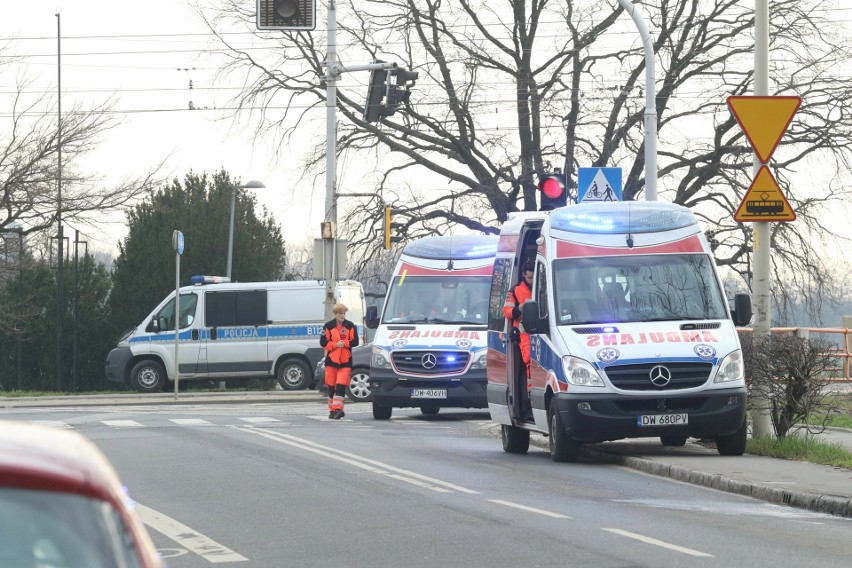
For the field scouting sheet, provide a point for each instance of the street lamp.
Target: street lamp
(253, 184)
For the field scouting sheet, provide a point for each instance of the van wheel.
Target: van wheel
(148, 376)
(430, 410)
(381, 412)
(515, 440)
(675, 441)
(293, 375)
(562, 447)
(359, 387)
(733, 444)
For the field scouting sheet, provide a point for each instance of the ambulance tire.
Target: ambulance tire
(382, 412)
(293, 375)
(562, 447)
(674, 441)
(515, 440)
(148, 376)
(733, 444)
(430, 410)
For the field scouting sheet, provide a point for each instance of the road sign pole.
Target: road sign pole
(761, 419)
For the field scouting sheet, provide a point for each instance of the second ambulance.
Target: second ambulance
(631, 333)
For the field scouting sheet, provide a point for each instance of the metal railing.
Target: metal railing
(842, 352)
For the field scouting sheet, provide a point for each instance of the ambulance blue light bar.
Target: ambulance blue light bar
(622, 217)
(453, 248)
(209, 279)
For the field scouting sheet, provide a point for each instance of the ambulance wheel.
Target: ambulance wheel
(562, 447)
(515, 440)
(675, 441)
(148, 376)
(430, 410)
(293, 375)
(733, 444)
(381, 412)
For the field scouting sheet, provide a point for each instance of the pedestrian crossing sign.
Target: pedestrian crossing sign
(598, 184)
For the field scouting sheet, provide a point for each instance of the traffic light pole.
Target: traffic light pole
(333, 70)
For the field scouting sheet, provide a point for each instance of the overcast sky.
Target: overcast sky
(146, 54)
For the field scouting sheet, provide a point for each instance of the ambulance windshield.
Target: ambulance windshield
(637, 288)
(438, 300)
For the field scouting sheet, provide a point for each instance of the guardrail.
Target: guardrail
(842, 353)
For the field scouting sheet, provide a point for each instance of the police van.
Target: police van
(430, 342)
(232, 331)
(631, 333)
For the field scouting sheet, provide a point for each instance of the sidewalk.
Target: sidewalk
(798, 484)
(803, 485)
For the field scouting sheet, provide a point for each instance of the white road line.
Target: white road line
(52, 423)
(121, 423)
(529, 509)
(190, 422)
(655, 542)
(259, 419)
(192, 540)
(361, 462)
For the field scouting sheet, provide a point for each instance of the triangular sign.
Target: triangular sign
(764, 201)
(764, 120)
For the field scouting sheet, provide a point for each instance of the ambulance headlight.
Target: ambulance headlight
(731, 368)
(479, 360)
(581, 373)
(381, 358)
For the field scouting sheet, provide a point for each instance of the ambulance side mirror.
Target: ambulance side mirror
(372, 318)
(742, 311)
(531, 320)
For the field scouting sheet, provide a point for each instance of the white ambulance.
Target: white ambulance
(232, 331)
(630, 330)
(430, 343)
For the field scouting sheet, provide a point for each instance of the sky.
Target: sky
(145, 55)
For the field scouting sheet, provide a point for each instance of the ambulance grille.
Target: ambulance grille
(430, 362)
(638, 377)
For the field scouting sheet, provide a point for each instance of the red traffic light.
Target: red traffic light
(553, 192)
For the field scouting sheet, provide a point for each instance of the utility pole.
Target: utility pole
(60, 275)
(761, 419)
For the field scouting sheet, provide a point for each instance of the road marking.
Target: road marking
(52, 423)
(259, 419)
(360, 462)
(121, 423)
(190, 422)
(655, 542)
(192, 540)
(529, 509)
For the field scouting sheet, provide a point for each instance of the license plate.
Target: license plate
(428, 393)
(662, 420)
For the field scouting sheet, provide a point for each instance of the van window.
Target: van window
(165, 318)
(637, 288)
(500, 282)
(231, 308)
(541, 290)
(437, 299)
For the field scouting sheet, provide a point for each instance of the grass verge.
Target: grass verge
(797, 447)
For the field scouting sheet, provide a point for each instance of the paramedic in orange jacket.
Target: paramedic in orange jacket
(338, 338)
(512, 311)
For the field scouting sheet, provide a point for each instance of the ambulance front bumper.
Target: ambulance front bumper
(461, 391)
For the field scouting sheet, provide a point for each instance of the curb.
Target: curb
(829, 504)
(161, 398)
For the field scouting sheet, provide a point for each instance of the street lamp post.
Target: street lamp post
(253, 184)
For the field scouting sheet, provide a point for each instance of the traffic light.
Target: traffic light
(286, 14)
(375, 94)
(390, 226)
(553, 191)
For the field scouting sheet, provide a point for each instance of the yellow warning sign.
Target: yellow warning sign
(764, 201)
(764, 120)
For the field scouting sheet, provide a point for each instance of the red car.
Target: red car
(62, 504)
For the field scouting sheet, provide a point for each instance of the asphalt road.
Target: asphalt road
(266, 484)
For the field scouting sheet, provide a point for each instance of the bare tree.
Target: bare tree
(510, 89)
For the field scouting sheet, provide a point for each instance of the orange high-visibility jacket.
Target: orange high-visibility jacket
(331, 334)
(516, 297)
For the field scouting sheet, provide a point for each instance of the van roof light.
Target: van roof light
(199, 279)
(622, 217)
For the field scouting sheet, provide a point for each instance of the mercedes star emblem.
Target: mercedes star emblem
(428, 361)
(660, 376)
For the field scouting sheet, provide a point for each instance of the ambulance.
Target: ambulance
(631, 333)
(429, 348)
(232, 331)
